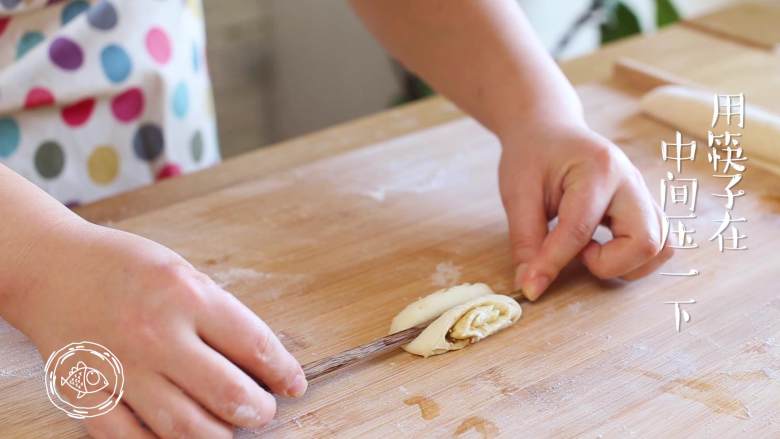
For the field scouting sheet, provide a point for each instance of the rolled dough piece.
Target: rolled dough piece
(690, 110)
(470, 313)
(433, 305)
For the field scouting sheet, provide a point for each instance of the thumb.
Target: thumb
(527, 229)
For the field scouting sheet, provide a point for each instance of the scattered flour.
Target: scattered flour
(235, 275)
(273, 285)
(574, 308)
(684, 364)
(21, 372)
(637, 351)
(772, 374)
(377, 194)
(18, 357)
(435, 181)
(447, 274)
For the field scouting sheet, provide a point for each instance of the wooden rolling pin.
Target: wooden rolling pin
(644, 77)
(319, 368)
(688, 106)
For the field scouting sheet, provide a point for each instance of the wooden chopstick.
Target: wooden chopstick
(322, 367)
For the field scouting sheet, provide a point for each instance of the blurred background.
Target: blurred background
(283, 68)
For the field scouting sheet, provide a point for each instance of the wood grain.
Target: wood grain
(644, 77)
(281, 156)
(320, 368)
(753, 24)
(326, 253)
(367, 230)
(327, 250)
(677, 50)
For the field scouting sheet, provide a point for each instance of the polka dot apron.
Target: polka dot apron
(99, 97)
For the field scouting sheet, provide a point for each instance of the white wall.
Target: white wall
(551, 19)
(326, 67)
(286, 67)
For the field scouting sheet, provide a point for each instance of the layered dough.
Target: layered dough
(466, 314)
(690, 110)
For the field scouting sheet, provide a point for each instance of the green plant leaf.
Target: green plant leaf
(621, 22)
(413, 88)
(665, 13)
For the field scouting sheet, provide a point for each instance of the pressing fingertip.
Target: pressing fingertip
(535, 286)
(298, 386)
(519, 273)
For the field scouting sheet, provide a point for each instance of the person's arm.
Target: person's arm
(64, 280)
(29, 215)
(483, 55)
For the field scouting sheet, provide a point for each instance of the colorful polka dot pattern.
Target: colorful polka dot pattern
(28, 42)
(66, 54)
(129, 105)
(116, 63)
(78, 114)
(158, 45)
(73, 10)
(10, 4)
(103, 16)
(9, 136)
(103, 165)
(122, 95)
(49, 159)
(181, 100)
(38, 97)
(4, 24)
(148, 142)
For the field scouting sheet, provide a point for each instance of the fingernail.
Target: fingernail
(298, 386)
(536, 287)
(519, 273)
(246, 414)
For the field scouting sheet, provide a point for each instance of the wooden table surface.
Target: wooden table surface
(327, 245)
(753, 24)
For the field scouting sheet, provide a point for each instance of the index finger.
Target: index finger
(580, 211)
(241, 336)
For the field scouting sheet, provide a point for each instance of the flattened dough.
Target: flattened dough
(467, 314)
(690, 110)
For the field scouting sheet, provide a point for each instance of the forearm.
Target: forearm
(30, 216)
(482, 54)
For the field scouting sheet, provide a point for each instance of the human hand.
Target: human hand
(569, 171)
(183, 341)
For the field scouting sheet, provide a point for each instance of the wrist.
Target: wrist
(539, 111)
(535, 130)
(31, 260)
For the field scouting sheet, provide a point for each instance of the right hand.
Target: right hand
(564, 169)
(189, 348)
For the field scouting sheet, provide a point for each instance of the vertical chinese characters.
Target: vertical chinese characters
(676, 230)
(678, 194)
(727, 159)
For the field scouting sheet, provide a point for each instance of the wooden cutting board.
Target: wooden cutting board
(751, 23)
(328, 252)
(682, 50)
